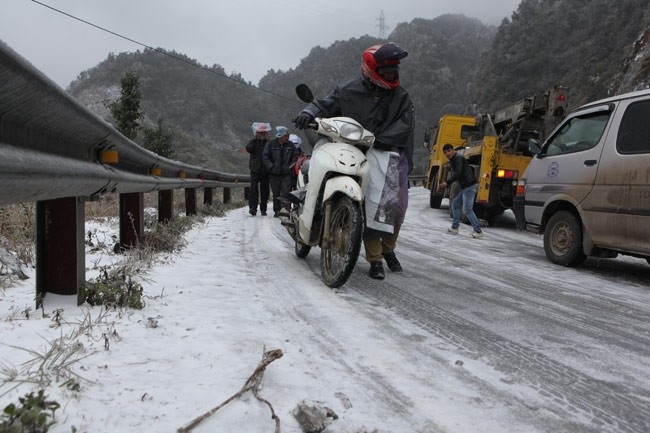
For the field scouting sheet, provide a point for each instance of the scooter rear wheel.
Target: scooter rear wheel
(301, 249)
(338, 258)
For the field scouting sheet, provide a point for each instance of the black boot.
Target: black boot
(376, 271)
(392, 262)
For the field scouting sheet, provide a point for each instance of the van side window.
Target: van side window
(579, 133)
(634, 132)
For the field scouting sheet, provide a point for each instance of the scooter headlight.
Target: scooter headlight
(350, 131)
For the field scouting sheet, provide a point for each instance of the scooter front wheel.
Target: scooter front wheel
(339, 254)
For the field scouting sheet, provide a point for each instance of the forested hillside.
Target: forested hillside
(580, 44)
(594, 47)
(213, 113)
(441, 65)
(203, 105)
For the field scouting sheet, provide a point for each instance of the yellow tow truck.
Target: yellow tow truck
(495, 145)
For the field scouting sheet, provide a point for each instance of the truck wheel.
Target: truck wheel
(563, 239)
(487, 214)
(435, 198)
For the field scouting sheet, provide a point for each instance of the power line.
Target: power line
(158, 50)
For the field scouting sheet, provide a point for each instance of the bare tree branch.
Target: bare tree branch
(252, 384)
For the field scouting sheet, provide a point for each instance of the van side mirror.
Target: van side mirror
(534, 146)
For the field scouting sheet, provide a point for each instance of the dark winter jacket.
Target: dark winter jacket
(461, 171)
(256, 148)
(388, 114)
(279, 158)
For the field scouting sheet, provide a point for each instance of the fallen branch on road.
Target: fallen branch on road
(252, 384)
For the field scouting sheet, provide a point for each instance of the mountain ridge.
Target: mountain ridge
(453, 61)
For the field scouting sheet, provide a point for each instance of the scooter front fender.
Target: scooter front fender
(339, 184)
(344, 184)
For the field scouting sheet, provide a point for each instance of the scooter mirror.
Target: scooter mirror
(304, 93)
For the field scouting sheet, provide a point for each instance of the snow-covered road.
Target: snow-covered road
(476, 336)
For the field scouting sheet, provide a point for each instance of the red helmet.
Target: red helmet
(385, 56)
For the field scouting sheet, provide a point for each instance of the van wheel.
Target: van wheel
(563, 239)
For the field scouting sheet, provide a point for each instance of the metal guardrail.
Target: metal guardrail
(57, 153)
(415, 180)
(53, 147)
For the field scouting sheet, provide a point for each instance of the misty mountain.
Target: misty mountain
(594, 47)
(212, 112)
(580, 44)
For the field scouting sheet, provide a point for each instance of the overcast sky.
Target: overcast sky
(245, 36)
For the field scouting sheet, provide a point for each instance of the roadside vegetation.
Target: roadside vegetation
(114, 289)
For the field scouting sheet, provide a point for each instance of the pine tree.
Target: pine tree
(126, 109)
(159, 139)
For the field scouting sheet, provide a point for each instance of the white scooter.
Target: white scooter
(327, 207)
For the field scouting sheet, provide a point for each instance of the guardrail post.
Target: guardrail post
(207, 196)
(226, 195)
(131, 219)
(190, 201)
(247, 191)
(165, 206)
(60, 248)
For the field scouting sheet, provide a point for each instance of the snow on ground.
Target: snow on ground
(211, 310)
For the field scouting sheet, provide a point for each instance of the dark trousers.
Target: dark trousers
(280, 185)
(259, 192)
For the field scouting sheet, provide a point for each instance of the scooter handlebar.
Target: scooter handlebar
(311, 125)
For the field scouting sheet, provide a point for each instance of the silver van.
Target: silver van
(588, 186)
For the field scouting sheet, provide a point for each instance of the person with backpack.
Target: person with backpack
(462, 173)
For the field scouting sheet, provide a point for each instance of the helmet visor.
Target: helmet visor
(387, 69)
(388, 52)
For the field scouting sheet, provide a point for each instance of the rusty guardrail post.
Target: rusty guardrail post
(165, 206)
(131, 219)
(60, 248)
(190, 201)
(207, 196)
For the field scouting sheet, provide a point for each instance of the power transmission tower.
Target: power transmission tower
(383, 28)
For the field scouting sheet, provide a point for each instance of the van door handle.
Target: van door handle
(590, 162)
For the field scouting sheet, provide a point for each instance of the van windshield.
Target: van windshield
(579, 133)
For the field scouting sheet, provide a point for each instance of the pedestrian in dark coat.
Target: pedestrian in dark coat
(279, 157)
(259, 189)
